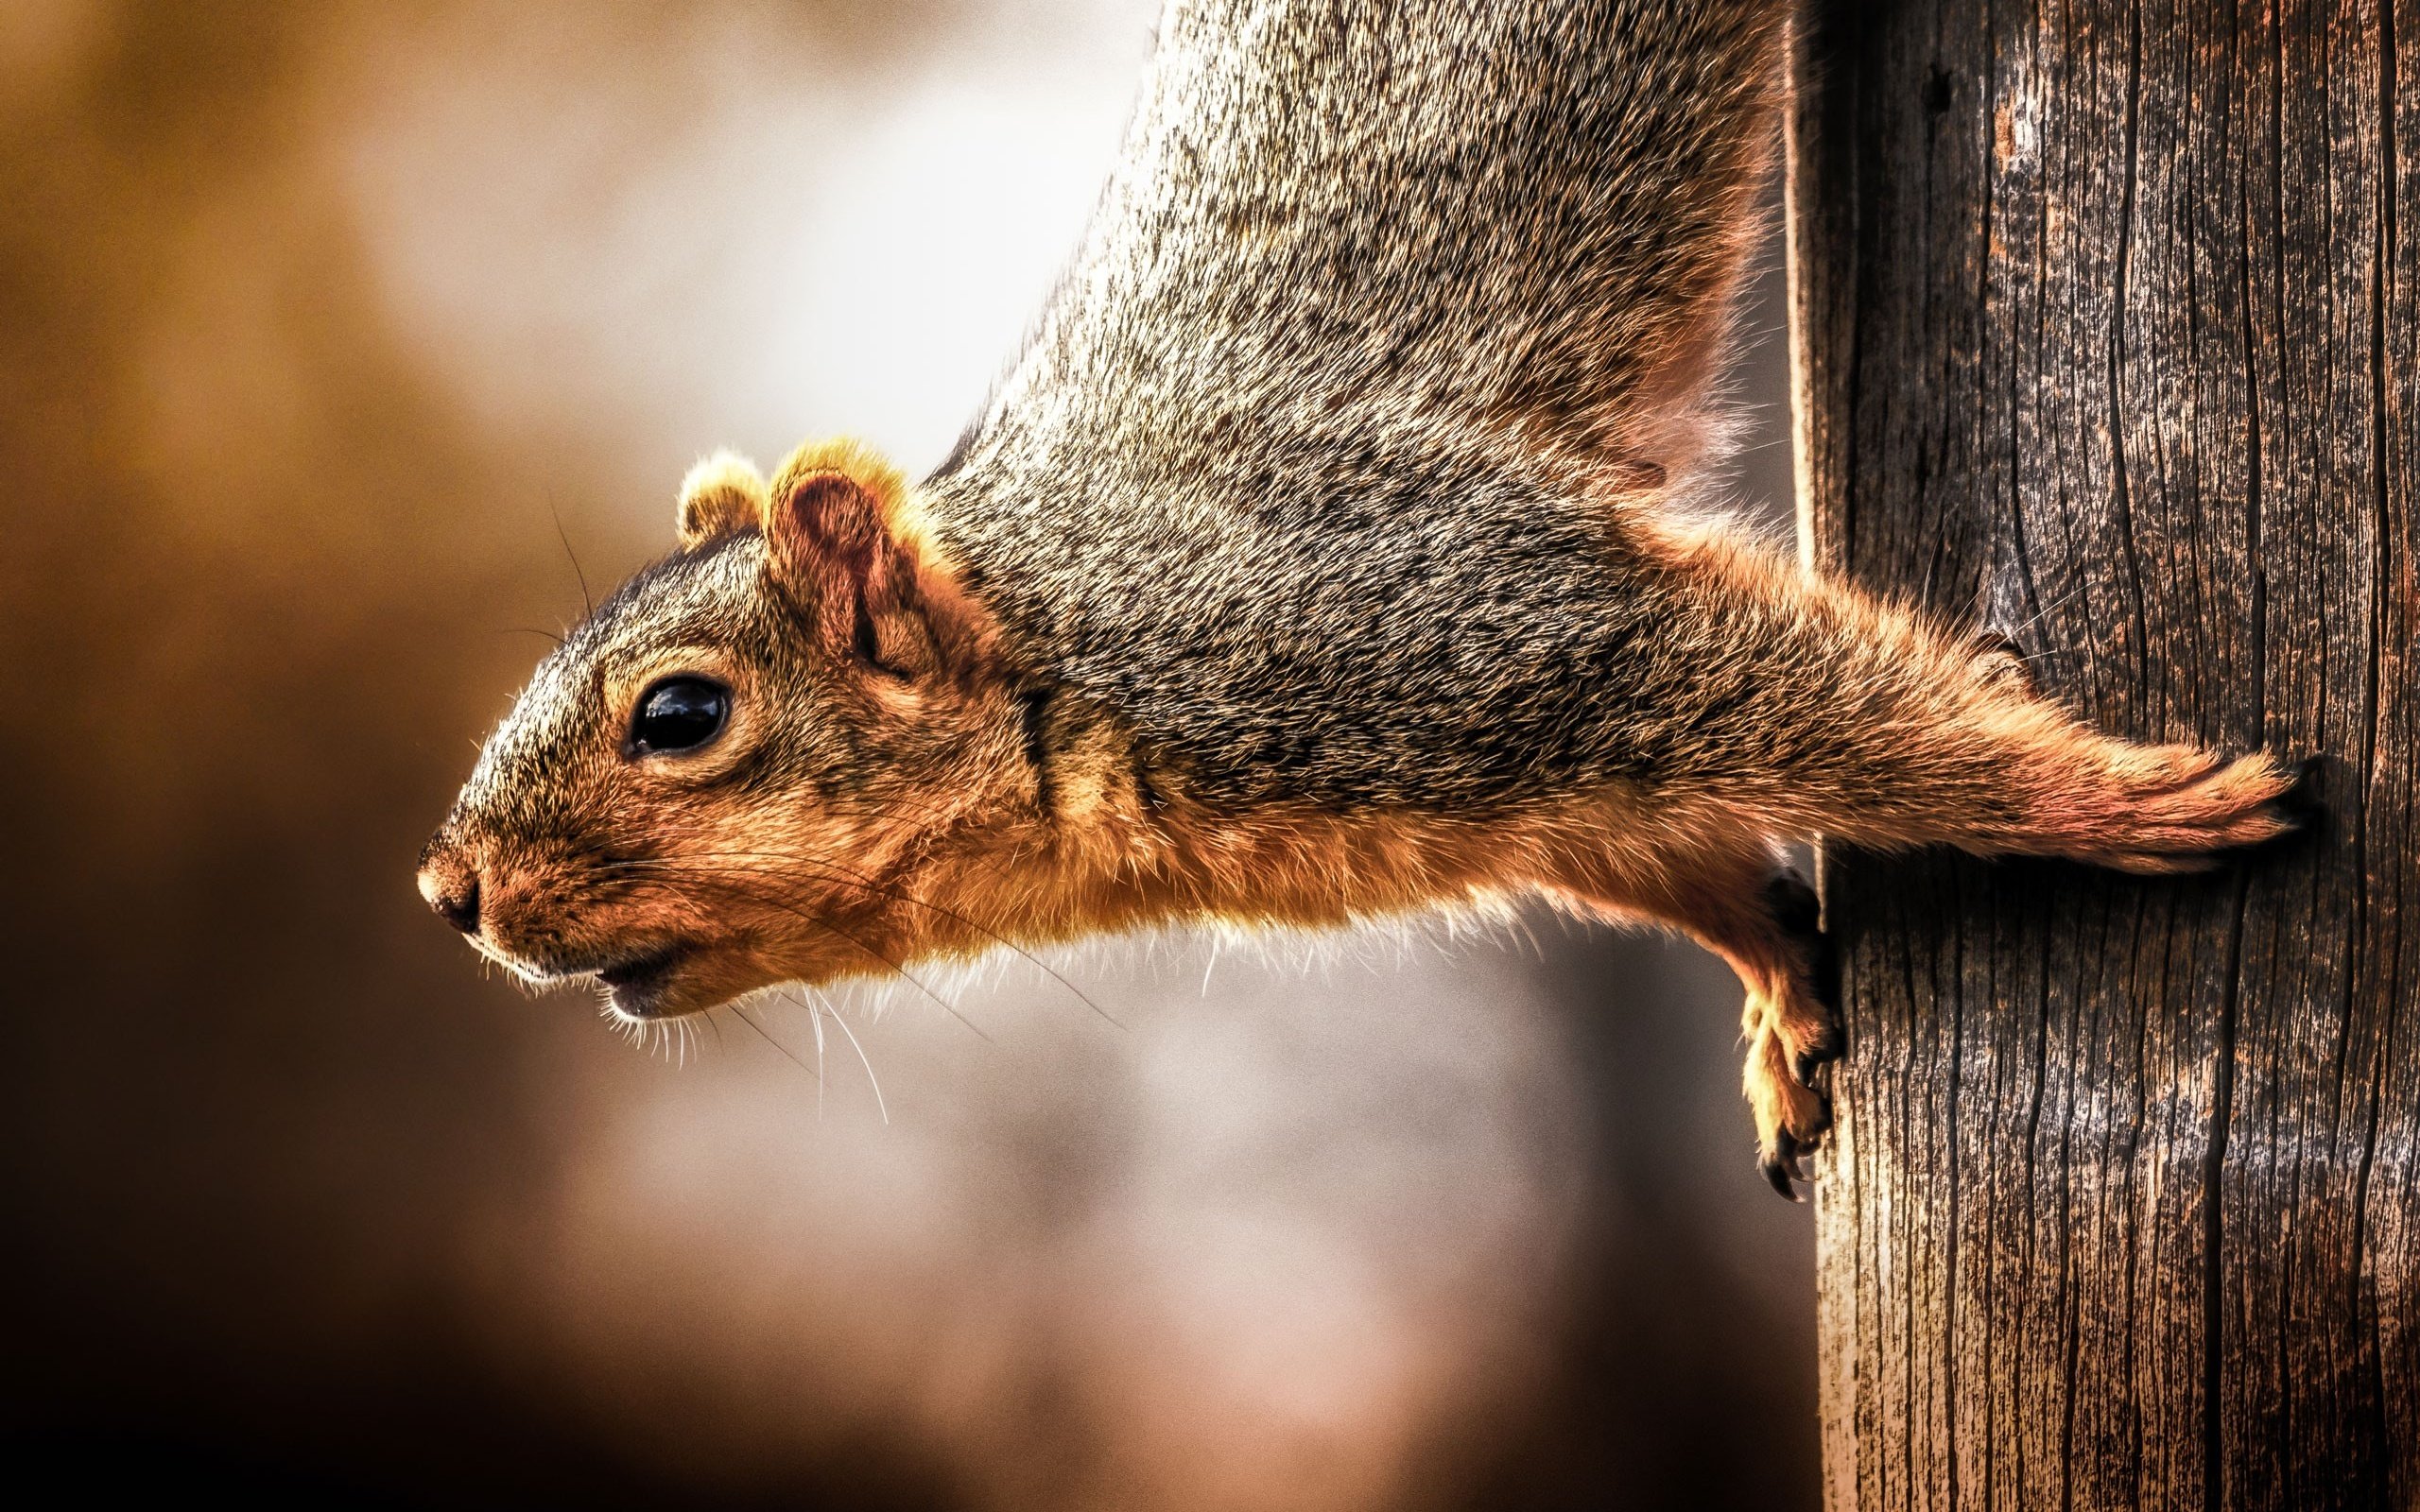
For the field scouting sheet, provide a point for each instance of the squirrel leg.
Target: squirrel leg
(1849, 717)
(1762, 919)
(1968, 756)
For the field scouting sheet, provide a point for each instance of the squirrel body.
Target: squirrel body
(1333, 551)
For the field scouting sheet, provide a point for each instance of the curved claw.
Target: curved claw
(2300, 802)
(1780, 1169)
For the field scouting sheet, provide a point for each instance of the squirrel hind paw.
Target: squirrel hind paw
(2225, 810)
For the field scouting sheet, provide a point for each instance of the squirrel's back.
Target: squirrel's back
(1307, 473)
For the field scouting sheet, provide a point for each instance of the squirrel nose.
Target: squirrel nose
(461, 909)
(454, 892)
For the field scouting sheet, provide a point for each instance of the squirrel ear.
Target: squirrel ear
(838, 543)
(721, 495)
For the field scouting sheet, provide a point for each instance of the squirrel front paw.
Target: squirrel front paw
(1793, 1030)
(1792, 1115)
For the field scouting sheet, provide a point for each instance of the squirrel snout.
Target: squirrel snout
(452, 888)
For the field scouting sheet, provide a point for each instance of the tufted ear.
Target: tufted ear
(721, 495)
(849, 551)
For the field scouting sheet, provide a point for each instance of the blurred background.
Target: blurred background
(316, 321)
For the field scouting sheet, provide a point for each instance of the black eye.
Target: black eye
(679, 714)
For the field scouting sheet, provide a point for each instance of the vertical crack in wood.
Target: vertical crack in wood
(2213, 1352)
(2121, 494)
(2382, 293)
(2213, 1223)
(1954, 930)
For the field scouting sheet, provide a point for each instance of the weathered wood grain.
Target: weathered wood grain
(2106, 319)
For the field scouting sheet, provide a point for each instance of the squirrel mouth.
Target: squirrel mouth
(635, 981)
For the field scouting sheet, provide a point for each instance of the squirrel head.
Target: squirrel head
(732, 773)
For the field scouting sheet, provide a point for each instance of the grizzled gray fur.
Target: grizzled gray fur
(1300, 475)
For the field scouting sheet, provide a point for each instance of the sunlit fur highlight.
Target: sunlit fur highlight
(722, 493)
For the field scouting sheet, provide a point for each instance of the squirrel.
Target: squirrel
(1338, 548)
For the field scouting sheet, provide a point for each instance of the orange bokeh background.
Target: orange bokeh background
(316, 324)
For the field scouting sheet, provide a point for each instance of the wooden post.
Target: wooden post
(2105, 327)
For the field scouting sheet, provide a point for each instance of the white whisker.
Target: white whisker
(878, 1103)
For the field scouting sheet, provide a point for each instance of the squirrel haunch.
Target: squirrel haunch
(1328, 555)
